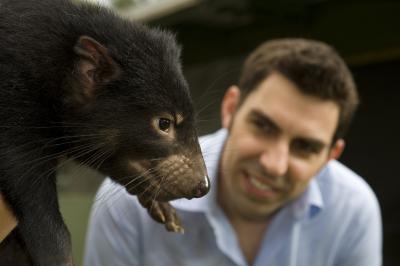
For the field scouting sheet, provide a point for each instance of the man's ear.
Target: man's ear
(229, 105)
(94, 66)
(337, 149)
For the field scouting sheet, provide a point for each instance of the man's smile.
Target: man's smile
(259, 187)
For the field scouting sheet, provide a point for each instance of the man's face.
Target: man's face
(278, 140)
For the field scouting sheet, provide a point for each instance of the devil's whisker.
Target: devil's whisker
(83, 151)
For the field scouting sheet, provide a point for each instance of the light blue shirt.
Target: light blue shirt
(336, 222)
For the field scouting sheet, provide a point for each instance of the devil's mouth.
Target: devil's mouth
(152, 189)
(151, 182)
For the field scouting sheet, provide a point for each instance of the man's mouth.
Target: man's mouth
(260, 187)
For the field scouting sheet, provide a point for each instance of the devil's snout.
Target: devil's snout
(202, 188)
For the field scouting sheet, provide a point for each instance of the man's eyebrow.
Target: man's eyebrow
(265, 119)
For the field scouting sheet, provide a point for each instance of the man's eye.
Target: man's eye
(164, 124)
(263, 126)
(304, 147)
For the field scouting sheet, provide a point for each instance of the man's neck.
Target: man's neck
(249, 232)
(250, 235)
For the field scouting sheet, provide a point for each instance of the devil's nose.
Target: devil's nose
(202, 188)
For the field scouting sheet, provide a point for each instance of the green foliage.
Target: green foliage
(123, 3)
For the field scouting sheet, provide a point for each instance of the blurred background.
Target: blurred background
(217, 35)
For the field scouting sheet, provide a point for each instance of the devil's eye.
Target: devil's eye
(164, 124)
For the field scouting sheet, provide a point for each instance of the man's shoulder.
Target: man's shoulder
(337, 174)
(214, 138)
(113, 202)
(338, 183)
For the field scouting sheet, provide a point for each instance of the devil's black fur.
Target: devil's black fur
(52, 106)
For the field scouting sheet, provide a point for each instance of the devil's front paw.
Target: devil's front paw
(164, 213)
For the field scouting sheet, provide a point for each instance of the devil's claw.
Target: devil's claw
(162, 212)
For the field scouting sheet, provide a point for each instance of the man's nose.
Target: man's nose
(275, 159)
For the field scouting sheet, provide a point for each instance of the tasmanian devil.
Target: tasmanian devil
(79, 82)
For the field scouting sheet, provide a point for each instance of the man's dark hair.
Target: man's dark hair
(314, 67)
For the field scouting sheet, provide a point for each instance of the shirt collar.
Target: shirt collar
(307, 205)
(310, 203)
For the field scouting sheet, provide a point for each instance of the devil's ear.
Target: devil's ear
(94, 66)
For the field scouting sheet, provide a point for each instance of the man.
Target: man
(278, 195)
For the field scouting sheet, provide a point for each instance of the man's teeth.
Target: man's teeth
(259, 185)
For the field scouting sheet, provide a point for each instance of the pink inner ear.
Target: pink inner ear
(87, 69)
(95, 64)
(88, 46)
